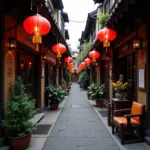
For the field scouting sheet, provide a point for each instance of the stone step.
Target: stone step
(5, 148)
(147, 140)
(37, 118)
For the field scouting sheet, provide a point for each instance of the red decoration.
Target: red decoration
(37, 26)
(87, 61)
(94, 55)
(68, 60)
(83, 64)
(59, 49)
(106, 35)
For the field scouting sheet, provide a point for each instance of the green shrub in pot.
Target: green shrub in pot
(19, 111)
(98, 94)
(55, 95)
(91, 89)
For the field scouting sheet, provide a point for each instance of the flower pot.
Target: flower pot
(20, 143)
(68, 90)
(99, 103)
(54, 106)
(119, 95)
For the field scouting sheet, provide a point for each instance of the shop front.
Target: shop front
(49, 73)
(28, 65)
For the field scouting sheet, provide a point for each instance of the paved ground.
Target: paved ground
(78, 127)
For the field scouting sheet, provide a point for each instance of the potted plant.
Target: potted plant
(98, 95)
(90, 90)
(55, 96)
(120, 87)
(18, 113)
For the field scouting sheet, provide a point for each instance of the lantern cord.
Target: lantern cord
(37, 9)
(106, 49)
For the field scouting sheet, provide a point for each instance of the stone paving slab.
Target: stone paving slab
(79, 128)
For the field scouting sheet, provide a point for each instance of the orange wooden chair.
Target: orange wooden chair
(130, 123)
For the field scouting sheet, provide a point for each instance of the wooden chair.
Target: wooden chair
(131, 123)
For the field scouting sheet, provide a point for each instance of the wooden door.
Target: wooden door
(132, 77)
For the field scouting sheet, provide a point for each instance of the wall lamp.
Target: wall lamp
(137, 43)
(11, 43)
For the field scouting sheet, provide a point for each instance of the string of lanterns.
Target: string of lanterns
(39, 26)
(69, 63)
(105, 35)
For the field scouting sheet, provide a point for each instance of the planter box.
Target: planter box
(54, 106)
(100, 103)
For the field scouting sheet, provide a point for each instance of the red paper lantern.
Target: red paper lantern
(83, 64)
(87, 61)
(106, 35)
(68, 60)
(37, 26)
(94, 55)
(59, 49)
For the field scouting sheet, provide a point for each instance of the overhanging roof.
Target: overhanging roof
(66, 34)
(58, 4)
(82, 38)
(90, 22)
(98, 1)
(65, 16)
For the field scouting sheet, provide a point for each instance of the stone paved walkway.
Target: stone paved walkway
(78, 127)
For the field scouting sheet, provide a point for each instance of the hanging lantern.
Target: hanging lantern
(59, 49)
(68, 60)
(83, 64)
(106, 35)
(37, 26)
(94, 55)
(87, 61)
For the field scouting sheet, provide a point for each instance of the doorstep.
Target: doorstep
(147, 140)
(37, 118)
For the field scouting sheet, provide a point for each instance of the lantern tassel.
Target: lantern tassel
(58, 55)
(93, 60)
(37, 39)
(37, 47)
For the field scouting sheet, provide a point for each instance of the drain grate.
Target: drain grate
(77, 106)
(42, 129)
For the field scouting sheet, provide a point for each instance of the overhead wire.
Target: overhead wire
(76, 21)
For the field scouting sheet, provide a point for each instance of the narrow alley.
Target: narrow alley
(78, 127)
(74, 75)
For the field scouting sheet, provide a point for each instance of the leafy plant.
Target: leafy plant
(55, 94)
(98, 92)
(63, 84)
(84, 51)
(92, 87)
(90, 90)
(83, 79)
(103, 18)
(19, 112)
(67, 76)
(120, 86)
